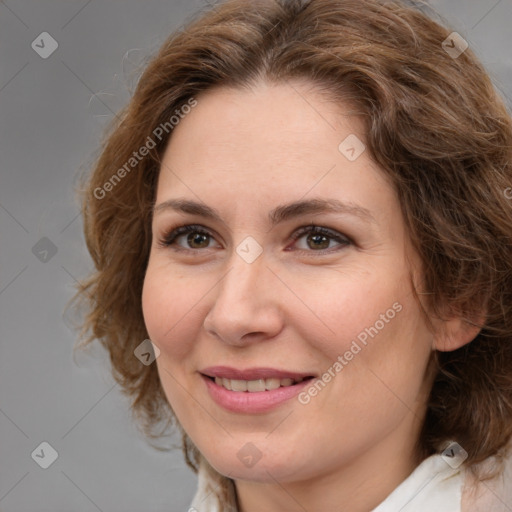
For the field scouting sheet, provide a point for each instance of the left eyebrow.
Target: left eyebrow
(279, 214)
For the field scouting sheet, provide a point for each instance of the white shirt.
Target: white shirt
(434, 486)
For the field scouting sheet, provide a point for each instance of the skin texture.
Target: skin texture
(296, 307)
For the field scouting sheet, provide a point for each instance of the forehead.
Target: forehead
(266, 134)
(285, 113)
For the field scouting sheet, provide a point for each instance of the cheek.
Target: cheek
(373, 322)
(381, 372)
(168, 306)
(171, 305)
(352, 306)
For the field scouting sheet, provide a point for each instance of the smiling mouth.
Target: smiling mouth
(256, 390)
(254, 386)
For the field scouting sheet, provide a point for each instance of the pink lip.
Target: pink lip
(227, 372)
(251, 402)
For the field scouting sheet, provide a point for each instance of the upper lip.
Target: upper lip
(227, 372)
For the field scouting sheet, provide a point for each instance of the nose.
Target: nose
(246, 305)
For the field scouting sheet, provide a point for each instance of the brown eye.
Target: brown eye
(196, 238)
(319, 239)
(202, 240)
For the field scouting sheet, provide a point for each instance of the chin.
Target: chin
(267, 469)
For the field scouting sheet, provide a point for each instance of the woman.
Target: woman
(304, 208)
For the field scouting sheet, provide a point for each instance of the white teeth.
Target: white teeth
(238, 385)
(255, 385)
(271, 384)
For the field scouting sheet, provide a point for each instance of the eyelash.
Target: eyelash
(170, 237)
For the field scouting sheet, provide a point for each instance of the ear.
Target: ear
(456, 332)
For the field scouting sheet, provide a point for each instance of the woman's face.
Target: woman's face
(250, 296)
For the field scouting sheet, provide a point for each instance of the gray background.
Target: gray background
(53, 112)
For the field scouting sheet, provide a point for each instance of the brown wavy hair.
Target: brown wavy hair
(434, 123)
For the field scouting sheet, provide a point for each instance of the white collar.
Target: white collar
(433, 485)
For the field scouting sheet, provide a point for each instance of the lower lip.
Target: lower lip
(252, 402)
